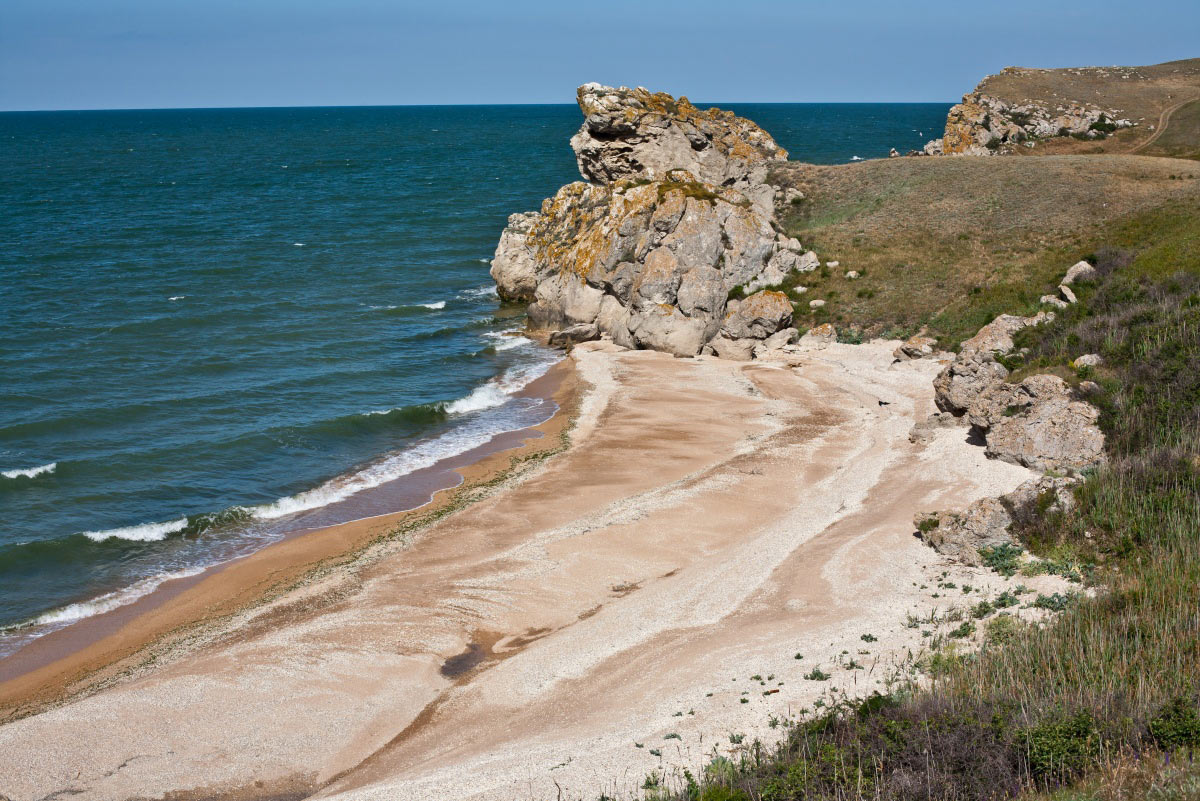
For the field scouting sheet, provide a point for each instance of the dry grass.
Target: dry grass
(950, 242)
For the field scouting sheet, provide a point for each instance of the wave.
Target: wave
(108, 601)
(31, 472)
(499, 390)
(177, 297)
(441, 304)
(494, 393)
(146, 532)
(479, 292)
(507, 340)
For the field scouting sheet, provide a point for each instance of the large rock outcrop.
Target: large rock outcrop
(1040, 424)
(983, 124)
(638, 133)
(675, 217)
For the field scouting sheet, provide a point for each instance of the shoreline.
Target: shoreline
(714, 527)
(68, 663)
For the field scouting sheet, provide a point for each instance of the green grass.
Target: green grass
(1108, 690)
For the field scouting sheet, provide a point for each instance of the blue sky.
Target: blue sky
(58, 54)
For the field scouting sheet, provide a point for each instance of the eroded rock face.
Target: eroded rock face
(651, 264)
(630, 133)
(650, 252)
(1039, 423)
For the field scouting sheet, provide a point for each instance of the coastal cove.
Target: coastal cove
(270, 309)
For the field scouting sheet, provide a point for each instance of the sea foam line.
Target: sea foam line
(146, 532)
(31, 472)
(110, 600)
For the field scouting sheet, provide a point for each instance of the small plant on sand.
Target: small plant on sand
(964, 629)
(816, 674)
(1005, 559)
(672, 736)
(869, 638)
(736, 739)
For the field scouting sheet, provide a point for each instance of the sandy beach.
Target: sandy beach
(714, 532)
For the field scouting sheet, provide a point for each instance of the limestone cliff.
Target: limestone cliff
(675, 216)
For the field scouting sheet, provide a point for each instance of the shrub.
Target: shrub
(1177, 724)
(816, 674)
(1061, 747)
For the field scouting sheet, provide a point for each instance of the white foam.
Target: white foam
(441, 304)
(856, 158)
(498, 390)
(146, 532)
(298, 244)
(480, 291)
(425, 454)
(177, 297)
(31, 472)
(484, 261)
(110, 600)
(383, 308)
(507, 340)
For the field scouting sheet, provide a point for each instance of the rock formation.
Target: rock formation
(983, 124)
(1039, 422)
(635, 132)
(675, 218)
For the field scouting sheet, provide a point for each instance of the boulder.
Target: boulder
(975, 368)
(1067, 294)
(1080, 271)
(1038, 423)
(1053, 300)
(960, 535)
(822, 335)
(584, 332)
(816, 304)
(964, 379)
(1088, 360)
(925, 430)
(915, 347)
(758, 316)
(997, 335)
(636, 133)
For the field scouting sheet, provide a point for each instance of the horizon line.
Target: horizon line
(471, 105)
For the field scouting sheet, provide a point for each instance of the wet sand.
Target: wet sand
(714, 532)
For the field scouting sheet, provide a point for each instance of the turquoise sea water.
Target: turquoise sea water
(216, 323)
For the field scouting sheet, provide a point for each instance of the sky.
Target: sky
(85, 54)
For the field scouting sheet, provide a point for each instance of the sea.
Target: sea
(219, 326)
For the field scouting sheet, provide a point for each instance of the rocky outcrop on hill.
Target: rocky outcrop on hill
(1039, 422)
(983, 124)
(674, 220)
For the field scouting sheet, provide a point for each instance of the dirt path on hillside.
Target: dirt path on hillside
(1163, 120)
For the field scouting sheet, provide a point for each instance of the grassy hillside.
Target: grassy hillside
(948, 243)
(1102, 702)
